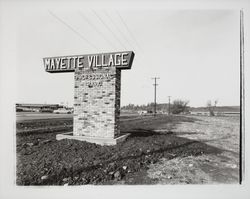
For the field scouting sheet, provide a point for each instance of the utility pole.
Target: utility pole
(169, 105)
(155, 84)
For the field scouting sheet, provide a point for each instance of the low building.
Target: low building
(36, 107)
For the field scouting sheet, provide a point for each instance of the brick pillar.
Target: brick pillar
(97, 102)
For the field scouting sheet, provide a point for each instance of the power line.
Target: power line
(108, 28)
(112, 21)
(126, 26)
(133, 37)
(96, 29)
(75, 31)
(123, 34)
(155, 84)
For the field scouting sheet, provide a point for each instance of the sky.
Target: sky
(195, 53)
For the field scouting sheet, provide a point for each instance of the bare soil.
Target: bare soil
(219, 132)
(162, 149)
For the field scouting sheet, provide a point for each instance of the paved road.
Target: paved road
(22, 116)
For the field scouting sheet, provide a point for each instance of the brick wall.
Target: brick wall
(97, 102)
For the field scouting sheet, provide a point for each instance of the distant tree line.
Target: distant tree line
(176, 107)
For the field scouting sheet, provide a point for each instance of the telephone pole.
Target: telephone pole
(169, 105)
(155, 84)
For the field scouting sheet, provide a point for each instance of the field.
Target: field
(160, 150)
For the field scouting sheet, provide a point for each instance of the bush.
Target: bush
(211, 107)
(179, 106)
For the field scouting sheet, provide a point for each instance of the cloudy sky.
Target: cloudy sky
(195, 53)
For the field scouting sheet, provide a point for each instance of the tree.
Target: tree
(179, 106)
(211, 107)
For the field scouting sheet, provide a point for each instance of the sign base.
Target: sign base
(97, 140)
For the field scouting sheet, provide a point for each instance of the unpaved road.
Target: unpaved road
(220, 132)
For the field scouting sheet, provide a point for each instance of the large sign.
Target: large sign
(96, 94)
(120, 60)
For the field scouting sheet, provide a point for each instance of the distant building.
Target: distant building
(37, 107)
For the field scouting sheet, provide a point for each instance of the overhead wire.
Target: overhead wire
(133, 37)
(116, 26)
(96, 29)
(72, 29)
(128, 30)
(107, 27)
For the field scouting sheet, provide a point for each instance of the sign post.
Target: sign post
(96, 95)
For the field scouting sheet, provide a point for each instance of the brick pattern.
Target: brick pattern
(97, 102)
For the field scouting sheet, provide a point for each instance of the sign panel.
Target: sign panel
(96, 94)
(120, 60)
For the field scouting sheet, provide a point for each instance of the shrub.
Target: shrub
(179, 106)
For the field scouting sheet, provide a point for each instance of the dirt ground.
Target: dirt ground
(160, 150)
(219, 132)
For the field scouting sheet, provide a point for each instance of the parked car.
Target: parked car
(142, 112)
(63, 111)
(46, 110)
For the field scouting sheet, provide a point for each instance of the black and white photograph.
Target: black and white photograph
(109, 97)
